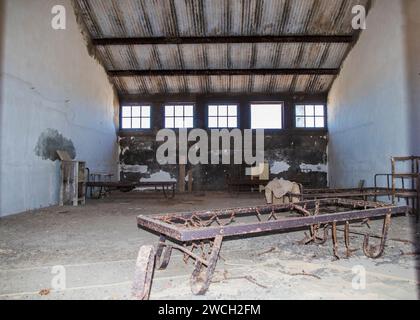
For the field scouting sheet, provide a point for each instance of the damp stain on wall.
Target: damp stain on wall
(50, 141)
(299, 157)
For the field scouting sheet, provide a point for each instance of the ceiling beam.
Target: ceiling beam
(227, 39)
(221, 72)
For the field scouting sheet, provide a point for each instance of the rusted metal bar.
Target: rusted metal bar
(414, 176)
(159, 249)
(375, 252)
(201, 277)
(334, 240)
(408, 158)
(281, 224)
(347, 239)
(144, 273)
(188, 252)
(417, 206)
(195, 229)
(373, 193)
(267, 209)
(166, 250)
(159, 226)
(174, 226)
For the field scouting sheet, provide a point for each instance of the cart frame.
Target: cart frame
(199, 235)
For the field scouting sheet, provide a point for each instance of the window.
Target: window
(310, 116)
(135, 117)
(179, 116)
(267, 116)
(223, 116)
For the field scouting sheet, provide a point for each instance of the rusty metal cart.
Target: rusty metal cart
(199, 235)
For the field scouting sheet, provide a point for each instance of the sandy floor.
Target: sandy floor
(97, 246)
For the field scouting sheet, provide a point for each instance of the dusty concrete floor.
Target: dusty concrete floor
(97, 245)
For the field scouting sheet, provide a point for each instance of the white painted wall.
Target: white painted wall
(412, 11)
(370, 105)
(48, 80)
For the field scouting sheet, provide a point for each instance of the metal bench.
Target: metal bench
(168, 187)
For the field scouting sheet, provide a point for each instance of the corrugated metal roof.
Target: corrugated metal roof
(223, 56)
(224, 84)
(199, 18)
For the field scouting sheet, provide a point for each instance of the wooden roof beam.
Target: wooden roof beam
(226, 39)
(221, 72)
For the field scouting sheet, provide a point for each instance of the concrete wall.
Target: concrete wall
(295, 154)
(54, 95)
(412, 11)
(370, 107)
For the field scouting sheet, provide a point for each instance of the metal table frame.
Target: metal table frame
(204, 232)
(168, 187)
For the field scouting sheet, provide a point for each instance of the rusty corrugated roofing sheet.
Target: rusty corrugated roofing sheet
(224, 84)
(174, 18)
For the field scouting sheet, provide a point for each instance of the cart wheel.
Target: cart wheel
(144, 273)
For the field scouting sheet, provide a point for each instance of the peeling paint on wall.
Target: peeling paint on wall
(314, 168)
(124, 150)
(126, 168)
(279, 167)
(159, 176)
(294, 158)
(50, 141)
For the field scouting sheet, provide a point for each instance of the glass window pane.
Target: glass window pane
(169, 111)
(126, 123)
(319, 122)
(145, 111)
(179, 111)
(145, 123)
(233, 110)
(135, 123)
(319, 110)
(233, 122)
(212, 111)
(223, 110)
(126, 112)
(189, 111)
(212, 122)
(135, 111)
(300, 122)
(310, 122)
(223, 122)
(189, 122)
(266, 116)
(309, 110)
(179, 122)
(169, 122)
(300, 110)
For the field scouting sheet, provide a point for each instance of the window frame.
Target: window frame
(207, 115)
(150, 105)
(324, 128)
(280, 102)
(193, 104)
